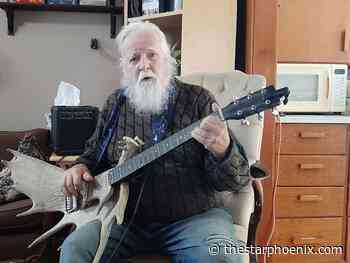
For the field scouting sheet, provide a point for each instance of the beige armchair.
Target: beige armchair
(246, 205)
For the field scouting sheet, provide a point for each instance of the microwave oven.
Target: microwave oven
(313, 87)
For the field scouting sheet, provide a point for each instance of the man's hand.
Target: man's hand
(213, 134)
(74, 177)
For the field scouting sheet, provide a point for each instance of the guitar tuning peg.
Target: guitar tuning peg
(234, 99)
(275, 112)
(284, 100)
(245, 122)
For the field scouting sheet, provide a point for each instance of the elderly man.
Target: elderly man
(176, 200)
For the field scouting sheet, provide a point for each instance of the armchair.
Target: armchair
(246, 205)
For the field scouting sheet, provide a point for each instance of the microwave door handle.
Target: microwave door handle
(328, 84)
(346, 40)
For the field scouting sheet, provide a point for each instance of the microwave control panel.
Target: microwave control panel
(339, 81)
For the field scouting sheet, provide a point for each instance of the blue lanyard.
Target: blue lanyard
(110, 127)
(161, 122)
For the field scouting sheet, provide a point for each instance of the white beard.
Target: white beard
(147, 95)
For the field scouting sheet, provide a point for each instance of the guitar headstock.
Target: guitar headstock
(256, 102)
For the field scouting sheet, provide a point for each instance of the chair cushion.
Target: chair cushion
(9, 223)
(14, 248)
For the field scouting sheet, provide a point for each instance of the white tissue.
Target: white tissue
(67, 95)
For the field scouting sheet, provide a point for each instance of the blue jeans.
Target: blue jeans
(203, 238)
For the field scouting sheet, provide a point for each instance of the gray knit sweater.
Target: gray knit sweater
(183, 182)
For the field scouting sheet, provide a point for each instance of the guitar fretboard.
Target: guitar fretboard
(152, 153)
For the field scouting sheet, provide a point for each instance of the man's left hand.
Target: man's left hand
(213, 134)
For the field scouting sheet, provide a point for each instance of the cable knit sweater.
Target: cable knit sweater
(183, 182)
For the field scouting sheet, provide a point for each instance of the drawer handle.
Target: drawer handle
(312, 135)
(310, 198)
(311, 166)
(307, 240)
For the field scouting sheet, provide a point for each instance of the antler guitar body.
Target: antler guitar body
(99, 200)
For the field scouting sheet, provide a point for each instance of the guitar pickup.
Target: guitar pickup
(71, 203)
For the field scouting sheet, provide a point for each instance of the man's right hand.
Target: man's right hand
(74, 178)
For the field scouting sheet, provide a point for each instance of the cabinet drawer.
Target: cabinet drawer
(313, 139)
(310, 232)
(310, 201)
(303, 170)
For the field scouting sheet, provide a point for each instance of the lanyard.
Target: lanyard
(110, 127)
(161, 122)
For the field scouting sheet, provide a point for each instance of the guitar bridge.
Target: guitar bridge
(71, 204)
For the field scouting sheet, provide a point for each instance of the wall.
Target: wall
(49, 47)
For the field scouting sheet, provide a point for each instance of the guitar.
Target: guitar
(102, 200)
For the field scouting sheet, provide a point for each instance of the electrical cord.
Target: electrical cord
(116, 249)
(274, 190)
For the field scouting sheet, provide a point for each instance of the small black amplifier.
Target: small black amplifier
(72, 126)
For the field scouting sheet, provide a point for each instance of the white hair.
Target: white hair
(146, 96)
(140, 27)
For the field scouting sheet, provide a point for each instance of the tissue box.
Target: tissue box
(72, 126)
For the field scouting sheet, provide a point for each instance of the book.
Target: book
(93, 2)
(61, 2)
(150, 7)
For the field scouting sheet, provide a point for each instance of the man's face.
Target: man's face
(146, 73)
(144, 56)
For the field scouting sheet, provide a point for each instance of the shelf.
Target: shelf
(166, 19)
(11, 7)
(60, 8)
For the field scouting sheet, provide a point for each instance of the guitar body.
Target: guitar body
(99, 201)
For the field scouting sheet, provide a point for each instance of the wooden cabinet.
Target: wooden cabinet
(311, 196)
(314, 31)
(204, 31)
(315, 232)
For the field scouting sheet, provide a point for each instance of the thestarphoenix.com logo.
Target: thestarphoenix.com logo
(229, 249)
